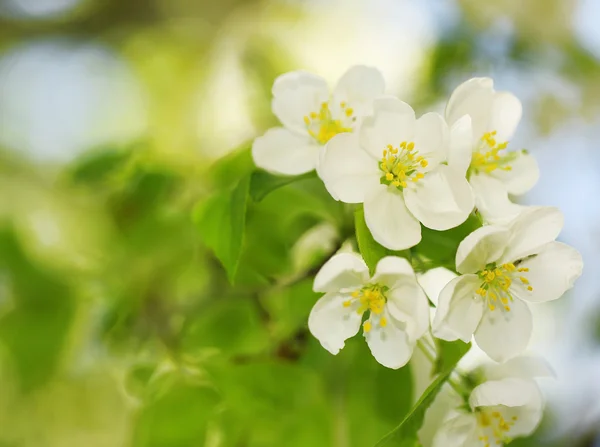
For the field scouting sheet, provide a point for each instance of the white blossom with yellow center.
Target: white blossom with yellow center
(504, 267)
(310, 116)
(508, 404)
(391, 307)
(482, 121)
(394, 164)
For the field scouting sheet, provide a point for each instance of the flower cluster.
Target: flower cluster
(433, 171)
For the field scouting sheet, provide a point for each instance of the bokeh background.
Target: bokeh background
(117, 324)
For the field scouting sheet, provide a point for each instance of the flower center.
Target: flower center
(372, 298)
(497, 281)
(494, 427)
(487, 156)
(401, 165)
(323, 127)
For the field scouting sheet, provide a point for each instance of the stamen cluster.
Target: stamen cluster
(401, 165)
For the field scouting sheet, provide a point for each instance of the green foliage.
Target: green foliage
(232, 326)
(177, 414)
(262, 183)
(440, 246)
(34, 330)
(405, 434)
(221, 222)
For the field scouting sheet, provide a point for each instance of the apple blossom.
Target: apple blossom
(311, 116)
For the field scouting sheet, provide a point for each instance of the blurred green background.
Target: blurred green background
(121, 120)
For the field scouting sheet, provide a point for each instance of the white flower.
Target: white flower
(311, 116)
(393, 164)
(507, 405)
(503, 268)
(482, 123)
(398, 308)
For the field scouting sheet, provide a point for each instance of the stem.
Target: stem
(425, 349)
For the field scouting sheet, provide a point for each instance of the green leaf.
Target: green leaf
(449, 353)
(441, 246)
(232, 326)
(370, 250)
(178, 416)
(262, 183)
(35, 330)
(221, 221)
(405, 434)
(99, 165)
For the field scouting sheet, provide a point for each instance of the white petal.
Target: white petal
(481, 247)
(474, 98)
(343, 271)
(332, 323)
(458, 430)
(532, 229)
(433, 282)
(432, 138)
(511, 397)
(438, 412)
(393, 122)
(442, 200)
(503, 335)
(491, 199)
(392, 270)
(523, 175)
(520, 368)
(358, 87)
(280, 151)
(347, 171)
(389, 345)
(551, 273)
(460, 150)
(295, 95)
(407, 303)
(389, 221)
(459, 309)
(510, 392)
(505, 115)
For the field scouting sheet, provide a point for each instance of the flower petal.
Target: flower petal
(532, 229)
(505, 115)
(438, 414)
(432, 138)
(459, 309)
(347, 171)
(551, 273)
(358, 87)
(390, 345)
(393, 122)
(280, 151)
(516, 400)
(523, 175)
(332, 323)
(458, 430)
(510, 392)
(503, 335)
(474, 98)
(389, 221)
(442, 200)
(295, 95)
(433, 282)
(524, 367)
(460, 150)
(407, 303)
(392, 270)
(343, 271)
(491, 200)
(481, 247)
